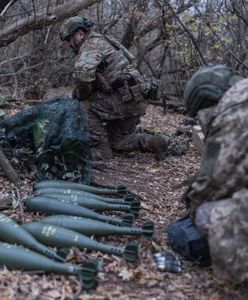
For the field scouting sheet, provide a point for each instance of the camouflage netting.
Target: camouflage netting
(54, 136)
(176, 146)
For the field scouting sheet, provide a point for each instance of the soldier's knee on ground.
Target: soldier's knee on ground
(158, 145)
(101, 152)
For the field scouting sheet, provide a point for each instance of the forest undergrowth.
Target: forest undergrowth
(158, 186)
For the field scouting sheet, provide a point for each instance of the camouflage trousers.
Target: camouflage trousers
(112, 125)
(226, 224)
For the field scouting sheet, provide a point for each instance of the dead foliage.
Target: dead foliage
(156, 183)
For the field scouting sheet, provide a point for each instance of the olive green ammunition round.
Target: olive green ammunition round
(93, 227)
(79, 186)
(86, 195)
(92, 203)
(13, 233)
(53, 235)
(19, 258)
(52, 206)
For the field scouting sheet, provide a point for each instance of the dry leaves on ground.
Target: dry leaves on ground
(156, 184)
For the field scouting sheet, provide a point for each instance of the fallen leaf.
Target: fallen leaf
(126, 274)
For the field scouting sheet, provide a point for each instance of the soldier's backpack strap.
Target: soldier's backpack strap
(113, 75)
(118, 46)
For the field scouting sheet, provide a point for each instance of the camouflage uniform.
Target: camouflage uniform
(224, 161)
(223, 176)
(110, 89)
(226, 222)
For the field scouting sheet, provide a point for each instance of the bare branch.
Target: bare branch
(41, 20)
(220, 40)
(237, 12)
(188, 32)
(7, 7)
(155, 23)
(8, 169)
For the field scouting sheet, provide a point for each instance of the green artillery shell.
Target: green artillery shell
(83, 194)
(53, 235)
(92, 227)
(78, 186)
(51, 206)
(12, 233)
(92, 203)
(16, 257)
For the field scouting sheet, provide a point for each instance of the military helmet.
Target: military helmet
(72, 25)
(206, 87)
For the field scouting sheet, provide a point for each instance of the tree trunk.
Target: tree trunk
(8, 169)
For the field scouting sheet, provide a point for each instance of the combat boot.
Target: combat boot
(157, 145)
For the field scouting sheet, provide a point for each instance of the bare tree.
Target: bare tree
(169, 39)
(38, 21)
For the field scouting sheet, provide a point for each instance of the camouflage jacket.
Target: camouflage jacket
(226, 223)
(92, 52)
(224, 164)
(223, 177)
(101, 67)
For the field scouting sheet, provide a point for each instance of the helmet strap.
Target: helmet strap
(76, 46)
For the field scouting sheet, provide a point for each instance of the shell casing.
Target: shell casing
(13, 233)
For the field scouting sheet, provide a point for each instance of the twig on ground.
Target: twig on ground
(20, 206)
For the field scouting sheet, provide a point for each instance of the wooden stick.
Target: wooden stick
(6, 202)
(8, 169)
(198, 138)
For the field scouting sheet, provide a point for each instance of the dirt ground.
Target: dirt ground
(157, 184)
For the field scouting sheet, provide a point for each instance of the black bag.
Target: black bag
(185, 238)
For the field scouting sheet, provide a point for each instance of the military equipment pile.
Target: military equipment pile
(72, 220)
